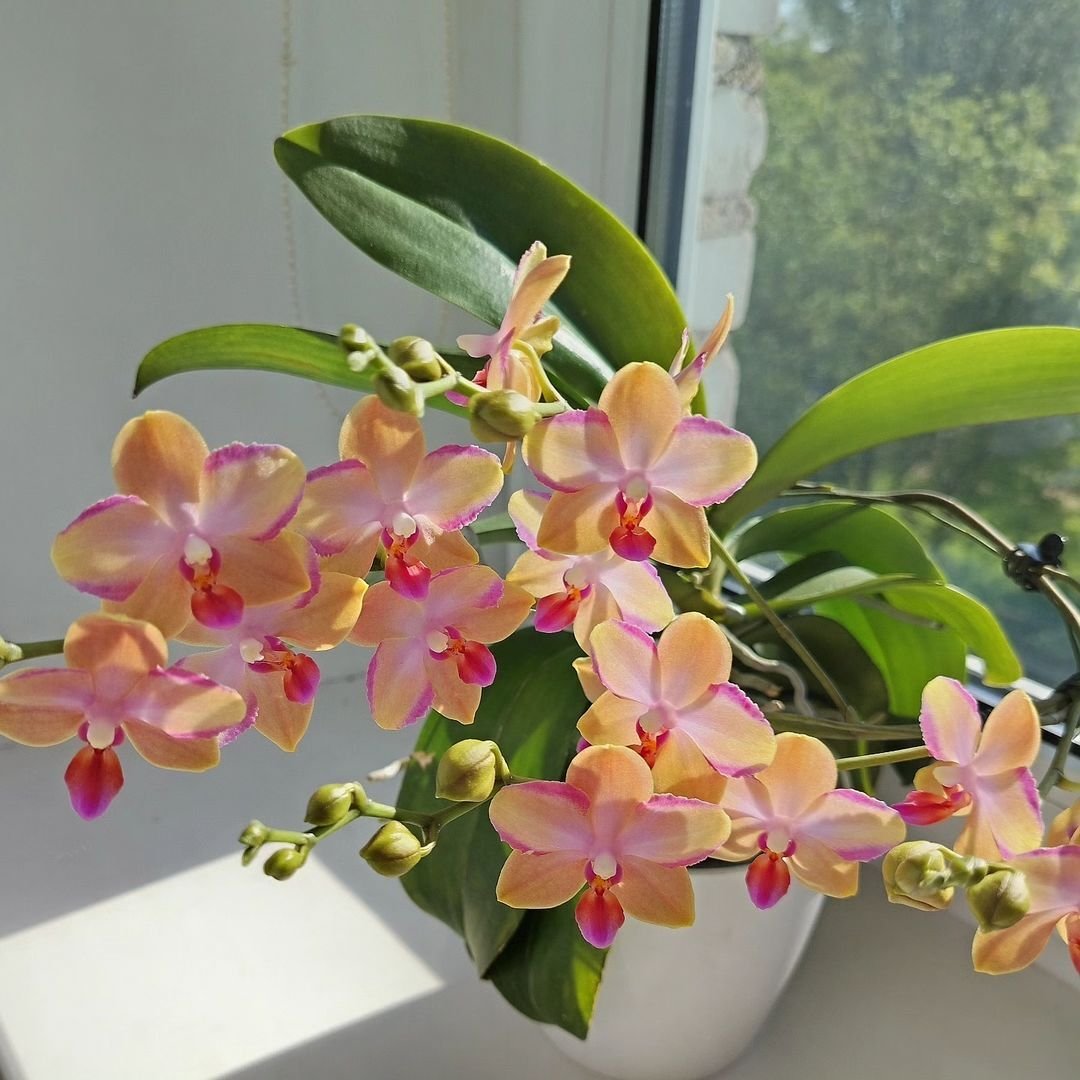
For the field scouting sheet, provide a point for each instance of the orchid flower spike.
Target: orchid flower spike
(116, 685)
(791, 819)
(634, 473)
(433, 653)
(604, 829)
(193, 533)
(387, 489)
(671, 702)
(688, 379)
(981, 771)
(583, 590)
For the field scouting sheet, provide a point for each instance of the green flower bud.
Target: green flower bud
(10, 653)
(393, 851)
(417, 358)
(284, 863)
(470, 770)
(253, 837)
(1000, 900)
(398, 392)
(354, 338)
(498, 415)
(916, 874)
(332, 802)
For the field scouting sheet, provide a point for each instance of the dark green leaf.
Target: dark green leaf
(831, 585)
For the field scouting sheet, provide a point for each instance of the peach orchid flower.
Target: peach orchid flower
(688, 378)
(792, 819)
(606, 830)
(981, 771)
(433, 653)
(583, 590)
(670, 701)
(387, 489)
(1065, 828)
(116, 685)
(634, 473)
(193, 533)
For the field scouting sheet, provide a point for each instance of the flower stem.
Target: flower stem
(1056, 772)
(887, 757)
(12, 652)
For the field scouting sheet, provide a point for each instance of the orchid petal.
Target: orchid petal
(767, 880)
(117, 651)
(386, 615)
(1011, 736)
(44, 706)
(539, 575)
(454, 698)
(853, 825)
(1005, 816)
(1001, 952)
(802, 770)
(591, 686)
(662, 895)
(326, 620)
(949, 720)
(596, 606)
(282, 721)
(626, 662)
(534, 287)
(542, 816)
(1065, 828)
(819, 868)
(639, 594)
(184, 703)
(452, 486)
(643, 407)
(93, 778)
(388, 442)
(673, 831)
(543, 880)
(341, 509)
(693, 654)
(250, 490)
(747, 804)
(526, 509)
(705, 461)
(581, 522)
(574, 449)
(477, 603)
(730, 730)
(680, 768)
(612, 719)
(163, 599)
(445, 551)
(169, 752)
(266, 571)
(614, 779)
(681, 531)
(398, 689)
(599, 916)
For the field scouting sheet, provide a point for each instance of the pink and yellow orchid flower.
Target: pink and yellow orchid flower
(670, 701)
(583, 590)
(604, 829)
(387, 489)
(193, 533)
(523, 326)
(791, 819)
(688, 378)
(116, 685)
(259, 656)
(981, 771)
(433, 653)
(1053, 882)
(635, 473)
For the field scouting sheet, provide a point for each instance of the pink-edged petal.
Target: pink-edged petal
(455, 698)
(328, 617)
(540, 575)
(680, 530)
(1011, 736)
(680, 768)
(526, 508)
(1005, 816)
(540, 880)
(705, 462)
(747, 804)
(110, 547)
(626, 662)
(673, 831)
(767, 880)
(612, 719)
(164, 599)
(452, 487)
(596, 606)
(477, 603)
(387, 615)
(250, 490)
(117, 651)
(730, 730)
(614, 779)
(949, 720)
(264, 572)
(819, 868)
(694, 654)
(341, 508)
(1065, 828)
(398, 689)
(572, 450)
(599, 916)
(1000, 952)
(591, 686)
(184, 703)
(93, 778)
(643, 406)
(390, 443)
(190, 754)
(478, 346)
(581, 522)
(802, 770)
(1053, 878)
(662, 895)
(542, 816)
(159, 457)
(43, 706)
(853, 825)
(639, 593)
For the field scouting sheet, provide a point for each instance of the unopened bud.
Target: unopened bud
(916, 874)
(332, 802)
(1000, 900)
(416, 357)
(470, 770)
(355, 338)
(498, 415)
(284, 863)
(398, 392)
(393, 851)
(253, 837)
(9, 652)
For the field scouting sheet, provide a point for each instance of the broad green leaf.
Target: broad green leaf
(863, 535)
(1014, 374)
(452, 210)
(286, 350)
(831, 585)
(495, 529)
(531, 711)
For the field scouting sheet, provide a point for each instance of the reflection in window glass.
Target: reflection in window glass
(922, 180)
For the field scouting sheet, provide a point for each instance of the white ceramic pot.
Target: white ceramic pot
(683, 1004)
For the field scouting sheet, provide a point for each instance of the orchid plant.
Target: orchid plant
(667, 704)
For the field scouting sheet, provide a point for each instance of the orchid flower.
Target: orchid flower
(1065, 828)
(537, 277)
(115, 685)
(433, 653)
(634, 473)
(670, 701)
(792, 819)
(688, 379)
(583, 590)
(388, 489)
(1053, 881)
(606, 830)
(193, 533)
(257, 656)
(980, 771)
